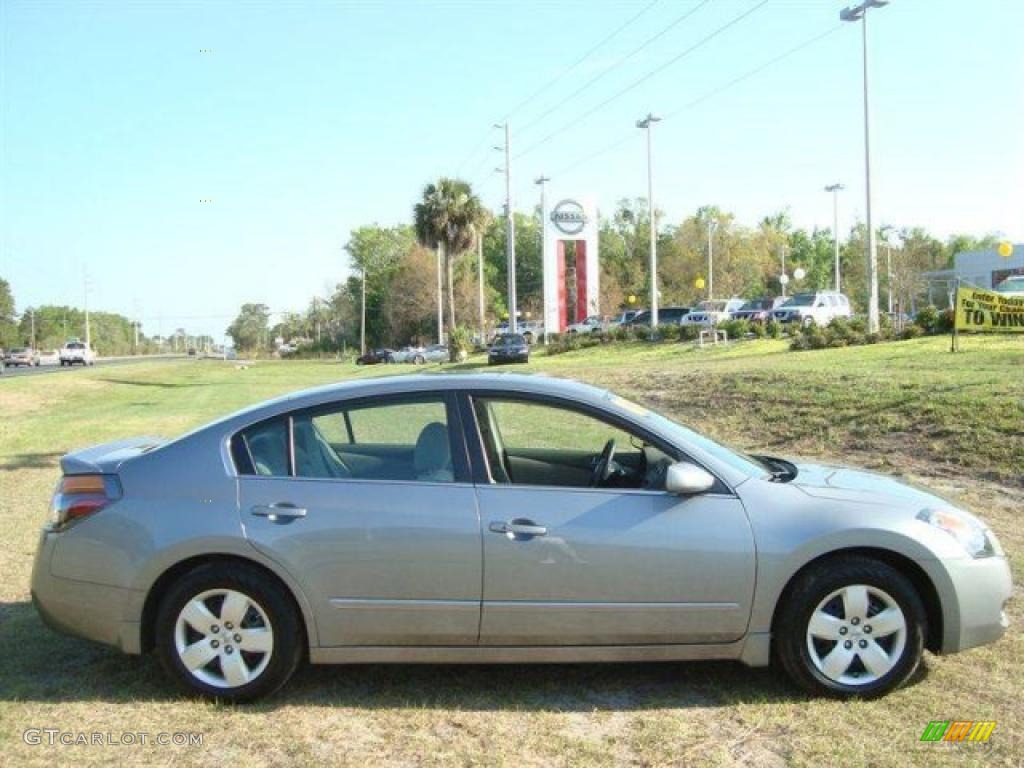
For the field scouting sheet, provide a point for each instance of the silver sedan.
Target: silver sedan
(501, 518)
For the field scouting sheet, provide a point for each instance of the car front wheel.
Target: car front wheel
(228, 633)
(853, 627)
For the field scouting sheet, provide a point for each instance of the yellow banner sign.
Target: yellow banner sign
(978, 310)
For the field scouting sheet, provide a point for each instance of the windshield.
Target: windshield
(1011, 285)
(683, 436)
(800, 300)
(509, 340)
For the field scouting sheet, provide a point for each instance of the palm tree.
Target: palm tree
(449, 218)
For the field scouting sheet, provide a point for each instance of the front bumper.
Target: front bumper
(99, 612)
(974, 593)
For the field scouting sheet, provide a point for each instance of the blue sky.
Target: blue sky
(308, 119)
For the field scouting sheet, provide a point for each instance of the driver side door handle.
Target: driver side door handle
(518, 528)
(278, 513)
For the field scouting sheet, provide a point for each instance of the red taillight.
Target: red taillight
(79, 496)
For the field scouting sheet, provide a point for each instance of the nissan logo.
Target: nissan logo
(568, 217)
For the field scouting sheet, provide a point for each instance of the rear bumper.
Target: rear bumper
(99, 612)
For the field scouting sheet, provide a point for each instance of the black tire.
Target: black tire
(419, 360)
(790, 636)
(288, 635)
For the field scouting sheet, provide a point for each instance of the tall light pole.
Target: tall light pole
(783, 278)
(541, 181)
(480, 283)
(712, 226)
(860, 13)
(362, 313)
(835, 190)
(85, 289)
(645, 124)
(510, 228)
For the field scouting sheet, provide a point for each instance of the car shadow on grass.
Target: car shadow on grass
(45, 460)
(46, 666)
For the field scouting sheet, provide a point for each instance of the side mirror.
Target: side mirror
(686, 479)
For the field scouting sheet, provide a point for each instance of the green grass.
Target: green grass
(954, 422)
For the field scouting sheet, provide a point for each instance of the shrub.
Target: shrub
(774, 329)
(944, 323)
(912, 331)
(460, 342)
(927, 319)
(736, 329)
(689, 332)
(669, 332)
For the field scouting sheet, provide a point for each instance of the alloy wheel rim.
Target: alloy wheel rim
(224, 638)
(856, 635)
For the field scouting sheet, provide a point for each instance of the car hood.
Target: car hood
(845, 484)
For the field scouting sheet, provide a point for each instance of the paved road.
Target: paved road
(10, 373)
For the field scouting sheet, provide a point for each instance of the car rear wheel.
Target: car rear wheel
(420, 360)
(851, 627)
(228, 633)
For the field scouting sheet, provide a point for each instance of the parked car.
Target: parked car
(592, 324)
(501, 518)
(532, 330)
(666, 316)
(48, 357)
(712, 312)
(76, 352)
(758, 310)
(509, 348)
(1012, 286)
(435, 353)
(405, 354)
(624, 318)
(813, 308)
(19, 356)
(374, 357)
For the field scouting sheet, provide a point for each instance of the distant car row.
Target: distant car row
(816, 308)
(435, 353)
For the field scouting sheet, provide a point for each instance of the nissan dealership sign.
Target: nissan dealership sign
(568, 217)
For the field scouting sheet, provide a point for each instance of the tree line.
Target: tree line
(50, 326)
(397, 267)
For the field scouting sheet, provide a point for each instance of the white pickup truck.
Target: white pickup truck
(76, 352)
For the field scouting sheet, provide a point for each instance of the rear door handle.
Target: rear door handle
(518, 527)
(282, 512)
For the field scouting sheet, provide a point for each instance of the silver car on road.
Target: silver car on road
(501, 518)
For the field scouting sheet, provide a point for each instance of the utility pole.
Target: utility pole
(645, 124)
(480, 283)
(835, 190)
(440, 296)
(888, 272)
(33, 317)
(85, 285)
(860, 13)
(541, 181)
(362, 322)
(783, 279)
(712, 226)
(510, 228)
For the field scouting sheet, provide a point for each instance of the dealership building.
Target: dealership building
(983, 269)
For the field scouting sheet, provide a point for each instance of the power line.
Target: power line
(657, 70)
(562, 102)
(581, 59)
(706, 96)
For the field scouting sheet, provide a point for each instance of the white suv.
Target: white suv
(76, 352)
(592, 324)
(813, 308)
(712, 312)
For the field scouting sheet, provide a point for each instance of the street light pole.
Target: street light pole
(712, 226)
(645, 124)
(859, 13)
(835, 189)
(510, 232)
(541, 181)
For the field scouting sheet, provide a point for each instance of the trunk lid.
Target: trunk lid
(107, 457)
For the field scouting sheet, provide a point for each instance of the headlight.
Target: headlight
(969, 532)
